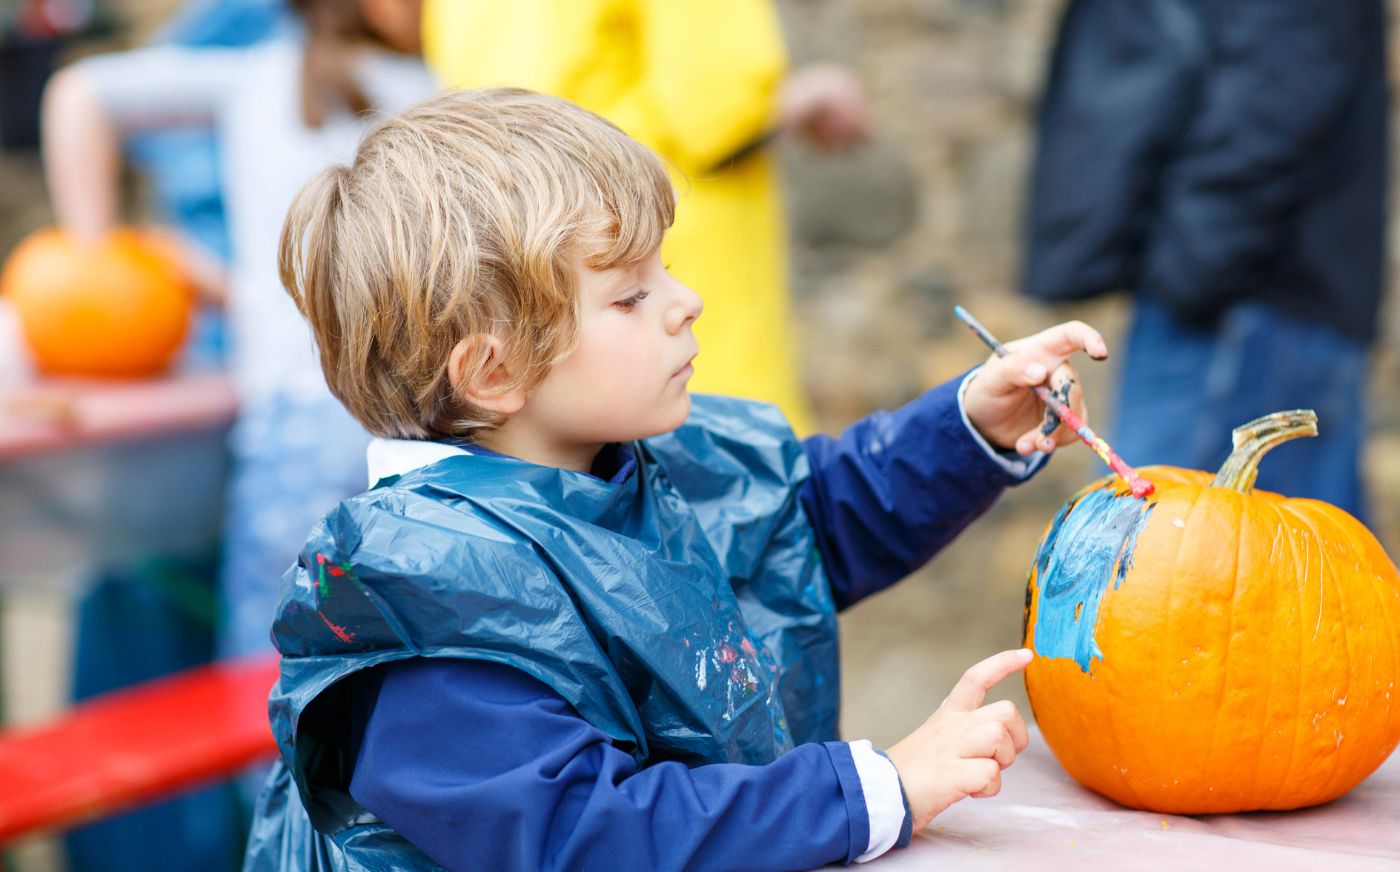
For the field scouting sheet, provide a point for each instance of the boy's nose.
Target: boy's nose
(685, 309)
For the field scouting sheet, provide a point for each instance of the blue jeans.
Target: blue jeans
(1183, 389)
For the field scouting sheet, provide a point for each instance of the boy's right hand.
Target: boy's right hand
(962, 748)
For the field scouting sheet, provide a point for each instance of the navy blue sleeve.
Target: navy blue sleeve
(482, 767)
(894, 489)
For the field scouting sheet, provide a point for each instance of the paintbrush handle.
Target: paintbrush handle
(1085, 433)
(1137, 484)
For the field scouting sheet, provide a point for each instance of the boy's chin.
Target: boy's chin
(673, 418)
(682, 412)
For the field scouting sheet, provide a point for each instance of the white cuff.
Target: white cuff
(1014, 464)
(884, 802)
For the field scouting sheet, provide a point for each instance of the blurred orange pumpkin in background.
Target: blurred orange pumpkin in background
(1214, 648)
(119, 307)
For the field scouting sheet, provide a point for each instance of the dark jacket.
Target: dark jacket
(1202, 152)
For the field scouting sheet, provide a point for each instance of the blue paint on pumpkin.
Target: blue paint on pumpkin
(1090, 544)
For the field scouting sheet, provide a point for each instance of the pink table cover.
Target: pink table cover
(1043, 819)
(52, 414)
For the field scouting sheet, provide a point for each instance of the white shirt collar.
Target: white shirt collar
(386, 457)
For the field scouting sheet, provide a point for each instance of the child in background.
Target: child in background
(582, 621)
(706, 86)
(282, 110)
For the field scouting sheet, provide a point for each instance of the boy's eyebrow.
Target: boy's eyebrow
(626, 280)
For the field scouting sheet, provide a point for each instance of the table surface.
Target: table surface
(41, 415)
(47, 414)
(1042, 819)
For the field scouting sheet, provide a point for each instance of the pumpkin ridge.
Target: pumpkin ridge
(1163, 671)
(1164, 678)
(1391, 635)
(1123, 778)
(1346, 645)
(1254, 786)
(1328, 577)
(1347, 642)
(1324, 569)
(1280, 508)
(1239, 512)
(1347, 533)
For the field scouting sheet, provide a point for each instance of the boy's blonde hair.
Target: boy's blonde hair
(467, 214)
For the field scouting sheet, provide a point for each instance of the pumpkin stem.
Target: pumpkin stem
(1257, 438)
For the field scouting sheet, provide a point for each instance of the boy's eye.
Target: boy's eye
(630, 303)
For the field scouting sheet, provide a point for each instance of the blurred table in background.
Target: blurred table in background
(1042, 819)
(44, 416)
(99, 472)
(95, 477)
(104, 471)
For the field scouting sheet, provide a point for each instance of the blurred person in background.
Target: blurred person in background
(1226, 164)
(706, 87)
(180, 164)
(277, 112)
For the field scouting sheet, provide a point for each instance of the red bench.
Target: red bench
(142, 743)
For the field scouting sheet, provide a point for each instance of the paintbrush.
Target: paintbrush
(1139, 486)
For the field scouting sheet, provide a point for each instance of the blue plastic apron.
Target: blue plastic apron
(683, 611)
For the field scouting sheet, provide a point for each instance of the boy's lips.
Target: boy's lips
(685, 371)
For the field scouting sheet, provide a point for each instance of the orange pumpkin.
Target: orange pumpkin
(115, 308)
(1212, 648)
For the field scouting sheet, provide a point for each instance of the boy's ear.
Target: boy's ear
(482, 375)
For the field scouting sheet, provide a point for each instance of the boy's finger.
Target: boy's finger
(1064, 381)
(1016, 725)
(1065, 339)
(976, 774)
(1065, 384)
(1061, 342)
(1035, 440)
(1005, 752)
(1006, 712)
(1009, 716)
(1002, 748)
(971, 689)
(987, 737)
(1003, 376)
(991, 787)
(1029, 375)
(1026, 443)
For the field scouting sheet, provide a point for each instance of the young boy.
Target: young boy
(581, 621)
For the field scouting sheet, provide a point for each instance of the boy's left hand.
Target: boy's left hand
(999, 400)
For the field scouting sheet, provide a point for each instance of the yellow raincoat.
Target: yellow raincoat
(697, 83)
